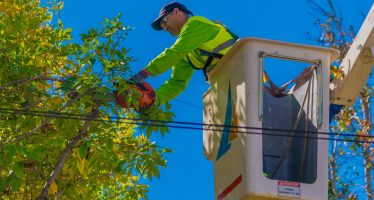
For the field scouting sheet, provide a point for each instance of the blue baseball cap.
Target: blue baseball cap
(166, 9)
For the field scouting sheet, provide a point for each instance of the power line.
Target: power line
(187, 125)
(179, 122)
(66, 116)
(188, 104)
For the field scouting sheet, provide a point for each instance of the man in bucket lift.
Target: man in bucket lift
(200, 44)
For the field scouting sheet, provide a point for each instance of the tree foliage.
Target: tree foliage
(350, 164)
(61, 134)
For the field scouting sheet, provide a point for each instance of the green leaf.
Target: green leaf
(34, 155)
(15, 183)
(149, 175)
(168, 106)
(2, 185)
(68, 31)
(83, 149)
(124, 51)
(11, 151)
(19, 170)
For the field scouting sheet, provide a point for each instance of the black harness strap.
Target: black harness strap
(191, 64)
(207, 63)
(214, 54)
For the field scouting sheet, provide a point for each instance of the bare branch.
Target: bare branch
(334, 179)
(318, 7)
(332, 7)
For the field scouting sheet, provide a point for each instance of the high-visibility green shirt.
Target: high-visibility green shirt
(195, 32)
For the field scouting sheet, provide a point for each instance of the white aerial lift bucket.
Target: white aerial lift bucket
(254, 157)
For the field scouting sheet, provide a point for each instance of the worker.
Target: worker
(200, 44)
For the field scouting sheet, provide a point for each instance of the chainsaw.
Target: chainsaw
(143, 91)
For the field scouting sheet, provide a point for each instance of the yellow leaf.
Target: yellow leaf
(347, 122)
(53, 188)
(80, 165)
(56, 100)
(134, 178)
(56, 84)
(337, 72)
(264, 79)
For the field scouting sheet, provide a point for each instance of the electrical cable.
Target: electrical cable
(187, 103)
(79, 117)
(161, 123)
(186, 123)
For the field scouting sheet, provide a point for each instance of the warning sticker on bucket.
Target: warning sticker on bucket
(288, 189)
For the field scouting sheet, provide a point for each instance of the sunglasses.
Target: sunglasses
(164, 20)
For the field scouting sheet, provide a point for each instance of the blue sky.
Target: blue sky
(189, 175)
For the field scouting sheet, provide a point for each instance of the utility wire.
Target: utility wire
(188, 104)
(161, 123)
(180, 122)
(66, 116)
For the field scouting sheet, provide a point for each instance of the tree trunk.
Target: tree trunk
(367, 172)
(365, 104)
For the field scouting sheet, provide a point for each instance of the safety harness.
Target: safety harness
(213, 54)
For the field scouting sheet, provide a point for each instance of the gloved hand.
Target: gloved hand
(146, 99)
(139, 77)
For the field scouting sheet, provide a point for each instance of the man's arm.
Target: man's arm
(193, 34)
(178, 81)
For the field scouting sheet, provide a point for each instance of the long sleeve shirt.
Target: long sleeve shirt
(195, 32)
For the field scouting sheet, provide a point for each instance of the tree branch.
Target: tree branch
(334, 180)
(365, 104)
(65, 154)
(27, 134)
(318, 7)
(21, 81)
(26, 80)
